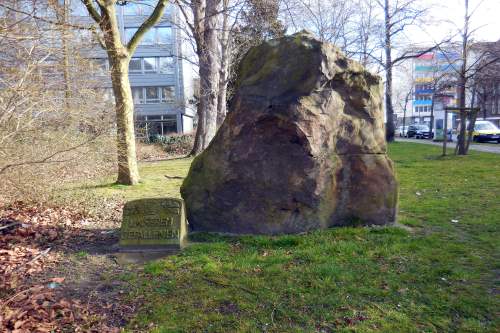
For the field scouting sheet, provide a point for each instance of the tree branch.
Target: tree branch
(405, 56)
(36, 17)
(148, 24)
(47, 159)
(92, 11)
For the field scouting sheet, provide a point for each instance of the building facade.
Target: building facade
(490, 110)
(433, 86)
(488, 82)
(161, 80)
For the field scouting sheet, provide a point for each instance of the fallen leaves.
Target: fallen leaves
(27, 303)
(38, 309)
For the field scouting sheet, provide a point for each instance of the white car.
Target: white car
(403, 131)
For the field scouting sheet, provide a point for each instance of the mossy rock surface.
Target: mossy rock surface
(302, 147)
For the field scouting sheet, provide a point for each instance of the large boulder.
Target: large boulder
(302, 147)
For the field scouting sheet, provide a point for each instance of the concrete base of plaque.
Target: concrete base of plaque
(154, 225)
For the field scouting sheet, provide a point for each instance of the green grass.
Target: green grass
(438, 276)
(158, 179)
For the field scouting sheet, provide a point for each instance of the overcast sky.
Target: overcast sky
(486, 19)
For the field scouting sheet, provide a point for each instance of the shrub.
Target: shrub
(174, 144)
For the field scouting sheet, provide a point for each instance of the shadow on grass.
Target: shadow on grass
(110, 185)
(168, 159)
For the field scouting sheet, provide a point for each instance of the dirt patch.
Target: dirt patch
(58, 272)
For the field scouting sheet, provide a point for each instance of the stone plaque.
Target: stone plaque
(156, 222)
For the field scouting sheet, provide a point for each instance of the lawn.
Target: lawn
(439, 273)
(158, 179)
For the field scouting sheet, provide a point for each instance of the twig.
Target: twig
(38, 256)
(19, 293)
(10, 225)
(46, 159)
(173, 177)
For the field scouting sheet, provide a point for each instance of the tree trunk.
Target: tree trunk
(205, 21)
(222, 96)
(404, 111)
(209, 71)
(65, 49)
(389, 127)
(432, 110)
(200, 130)
(128, 173)
(119, 56)
(472, 121)
(224, 67)
(462, 81)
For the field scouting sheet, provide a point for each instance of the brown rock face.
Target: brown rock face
(303, 147)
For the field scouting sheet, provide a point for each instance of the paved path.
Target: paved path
(485, 147)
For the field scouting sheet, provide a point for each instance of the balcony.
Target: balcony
(423, 79)
(424, 92)
(423, 102)
(436, 68)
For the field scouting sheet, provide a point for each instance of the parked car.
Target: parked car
(485, 131)
(403, 131)
(419, 132)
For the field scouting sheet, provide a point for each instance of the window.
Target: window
(149, 65)
(148, 38)
(109, 95)
(424, 97)
(485, 126)
(167, 94)
(129, 33)
(152, 95)
(105, 94)
(147, 7)
(162, 65)
(100, 65)
(135, 65)
(138, 95)
(422, 109)
(131, 9)
(160, 35)
(163, 35)
(166, 65)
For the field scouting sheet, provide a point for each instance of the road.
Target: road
(485, 147)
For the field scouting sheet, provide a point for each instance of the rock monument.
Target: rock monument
(303, 146)
(153, 222)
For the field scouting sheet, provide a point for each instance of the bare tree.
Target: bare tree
(366, 29)
(398, 16)
(370, 30)
(403, 92)
(213, 27)
(225, 43)
(203, 21)
(46, 134)
(330, 21)
(471, 62)
(103, 12)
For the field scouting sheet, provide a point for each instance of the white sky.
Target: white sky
(486, 19)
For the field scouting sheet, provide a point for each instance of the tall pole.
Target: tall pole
(445, 138)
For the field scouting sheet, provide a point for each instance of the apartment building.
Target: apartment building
(433, 85)
(488, 82)
(161, 80)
